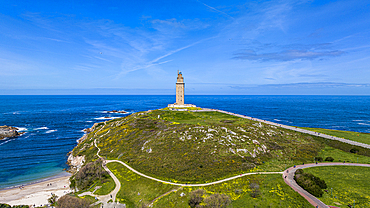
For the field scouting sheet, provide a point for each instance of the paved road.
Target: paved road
(292, 128)
(289, 179)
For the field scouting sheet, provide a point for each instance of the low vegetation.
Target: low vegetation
(137, 190)
(68, 201)
(197, 147)
(16, 206)
(346, 185)
(199, 199)
(273, 193)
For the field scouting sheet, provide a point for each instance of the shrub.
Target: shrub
(217, 201)
(5, 206)
(255, 189)
(310, 183)
(354, 150)
(330, 159)
(88, 174)
(196, 197)
(67, 201)
(53, 199)
(319, 159)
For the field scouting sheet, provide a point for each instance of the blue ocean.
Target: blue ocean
(52, 124)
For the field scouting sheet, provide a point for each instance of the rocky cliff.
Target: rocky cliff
(8, 131)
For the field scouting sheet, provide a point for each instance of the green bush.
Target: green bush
(329, 159)
(310, 183)
(319, 159)
(197, 200)
(196, 197)
(354, 150)
(255, 189)
(5, 206)
(88, 174)
(53, 199)
(217, 201)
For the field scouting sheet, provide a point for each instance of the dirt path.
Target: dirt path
(288, 177)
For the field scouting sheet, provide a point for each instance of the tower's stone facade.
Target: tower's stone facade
(180, 88)
(180, 94)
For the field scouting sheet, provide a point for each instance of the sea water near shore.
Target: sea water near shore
(54, 123)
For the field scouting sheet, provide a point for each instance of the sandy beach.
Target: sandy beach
(36, 193)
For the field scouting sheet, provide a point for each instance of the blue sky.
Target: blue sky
(222, 47)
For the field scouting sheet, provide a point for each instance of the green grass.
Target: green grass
(340, 156)
(202, 118)
(177, 146)
(354, 136)
(170, 145)
(348, 183)
(274, 193)
(107, 186)
(135, 189)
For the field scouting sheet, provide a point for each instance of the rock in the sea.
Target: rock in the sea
(117, 111)
(8, 131)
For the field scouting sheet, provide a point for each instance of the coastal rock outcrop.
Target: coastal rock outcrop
(8, 131)
(117, 111)
(88, 130)
(75, 162)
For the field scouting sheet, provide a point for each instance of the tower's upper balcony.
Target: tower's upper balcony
(180, 79)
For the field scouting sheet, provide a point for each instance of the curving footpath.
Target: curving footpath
(181, 184)
(288, 177)
(291, 128)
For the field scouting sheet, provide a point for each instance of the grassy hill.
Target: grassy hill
(197, 147)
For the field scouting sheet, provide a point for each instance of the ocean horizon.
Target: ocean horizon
(53, 123)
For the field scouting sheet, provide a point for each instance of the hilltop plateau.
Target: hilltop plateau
(196, 147)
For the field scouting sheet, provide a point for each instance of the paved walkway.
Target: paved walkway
(292, 128)
(288, 177)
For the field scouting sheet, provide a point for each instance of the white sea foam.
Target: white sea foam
(357, 120)
(364, 124)
(6, 141)
(276, 119)
(106, 118)
(89, 121)
(22, 129)
(50, 131)
(41, 128)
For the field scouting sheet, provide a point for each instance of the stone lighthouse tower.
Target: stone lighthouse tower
(180, 88)
(180, 94)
